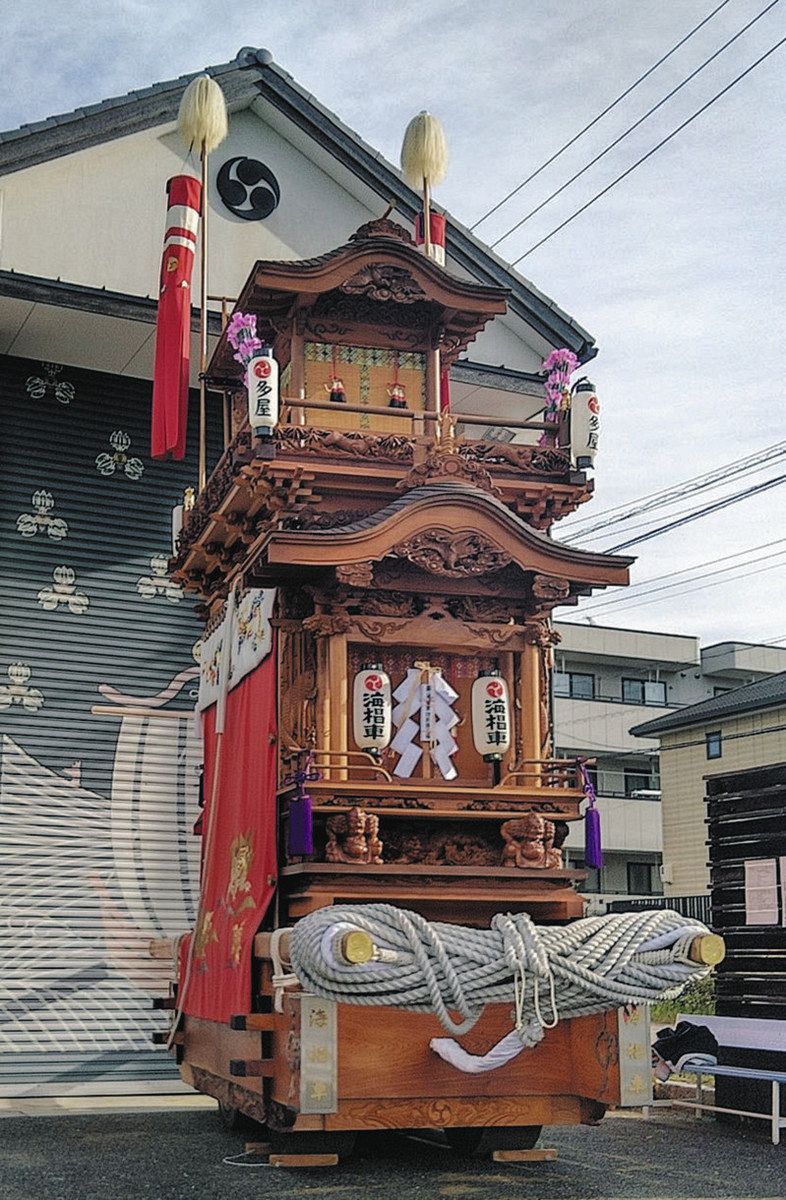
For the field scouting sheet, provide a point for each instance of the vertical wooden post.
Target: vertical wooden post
(432, 382)
(508, 674)
(297, 373)
(529, 695)
(323, 692)
(337, 687)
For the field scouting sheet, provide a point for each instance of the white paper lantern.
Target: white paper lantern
(491, 716)
(371, 708)
(584, 424)
(262, 387)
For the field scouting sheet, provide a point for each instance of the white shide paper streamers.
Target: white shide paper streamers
(424, 693)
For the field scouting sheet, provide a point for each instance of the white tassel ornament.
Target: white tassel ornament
(424, 151)
(202, 119)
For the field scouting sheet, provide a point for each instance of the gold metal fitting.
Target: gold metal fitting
(357, 947)
(709, 949)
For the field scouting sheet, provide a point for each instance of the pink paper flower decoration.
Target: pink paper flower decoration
(242, 336)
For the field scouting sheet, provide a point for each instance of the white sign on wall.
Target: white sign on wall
(761, 891)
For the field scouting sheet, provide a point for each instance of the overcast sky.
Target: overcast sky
(678, 272)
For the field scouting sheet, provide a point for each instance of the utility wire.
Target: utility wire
(678, 491)
(599, 195)
(623, 599)
(600, 115)
(734, 498)
(602, 154)
(639, 603)
(625, 592)
(582, 539)
(610, 753)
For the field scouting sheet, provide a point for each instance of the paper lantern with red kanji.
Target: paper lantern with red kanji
(491, 716)
(372, 708)
(262, 387)
(584, 424)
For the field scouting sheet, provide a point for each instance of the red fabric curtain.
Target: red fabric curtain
(240, 864)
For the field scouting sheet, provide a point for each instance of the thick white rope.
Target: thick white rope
(549, 972)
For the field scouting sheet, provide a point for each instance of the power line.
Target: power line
(699, 512)
(602, 154)
(625, 592)
(610, 752)
(582, 539)
(624, 598)
(685, 488)
(600, 115)
(639, 603)
(599, 195)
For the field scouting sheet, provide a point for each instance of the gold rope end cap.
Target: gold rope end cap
(708, 949)
(357, 947)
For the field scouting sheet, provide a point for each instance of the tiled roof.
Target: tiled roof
(458, 493)
(253, 75)
(767, 693)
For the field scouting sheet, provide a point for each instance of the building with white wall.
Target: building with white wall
(607, 681)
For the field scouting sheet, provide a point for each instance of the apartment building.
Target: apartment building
(606, 681)
(734, 731)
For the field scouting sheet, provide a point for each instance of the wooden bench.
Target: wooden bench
(746, 1034)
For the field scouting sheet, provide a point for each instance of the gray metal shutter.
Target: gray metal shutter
(97, 853)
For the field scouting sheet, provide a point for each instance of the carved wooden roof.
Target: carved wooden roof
(453, 531)
(388, 279)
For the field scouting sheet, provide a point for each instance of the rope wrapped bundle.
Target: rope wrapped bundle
(589, 966)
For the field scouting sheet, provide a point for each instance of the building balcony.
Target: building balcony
(626, 824)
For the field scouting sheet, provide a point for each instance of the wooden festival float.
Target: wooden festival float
(385, 579)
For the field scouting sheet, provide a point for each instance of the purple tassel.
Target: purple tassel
(593, 851)
(301, 826)
(300, 837)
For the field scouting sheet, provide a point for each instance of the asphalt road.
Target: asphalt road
(178, 1155)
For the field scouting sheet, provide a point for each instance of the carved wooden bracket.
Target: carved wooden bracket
(356, 575)
(327, 624)
(542, 634)
(550, 588)
(445, 465)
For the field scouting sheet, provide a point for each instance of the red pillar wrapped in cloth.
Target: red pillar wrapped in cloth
(173, 328)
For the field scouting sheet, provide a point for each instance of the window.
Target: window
(639, 878)
(640, 691)
(712, 742)
(592, 882)
(654, 692)
(636, 781)
(633, 691)
(576, 684)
